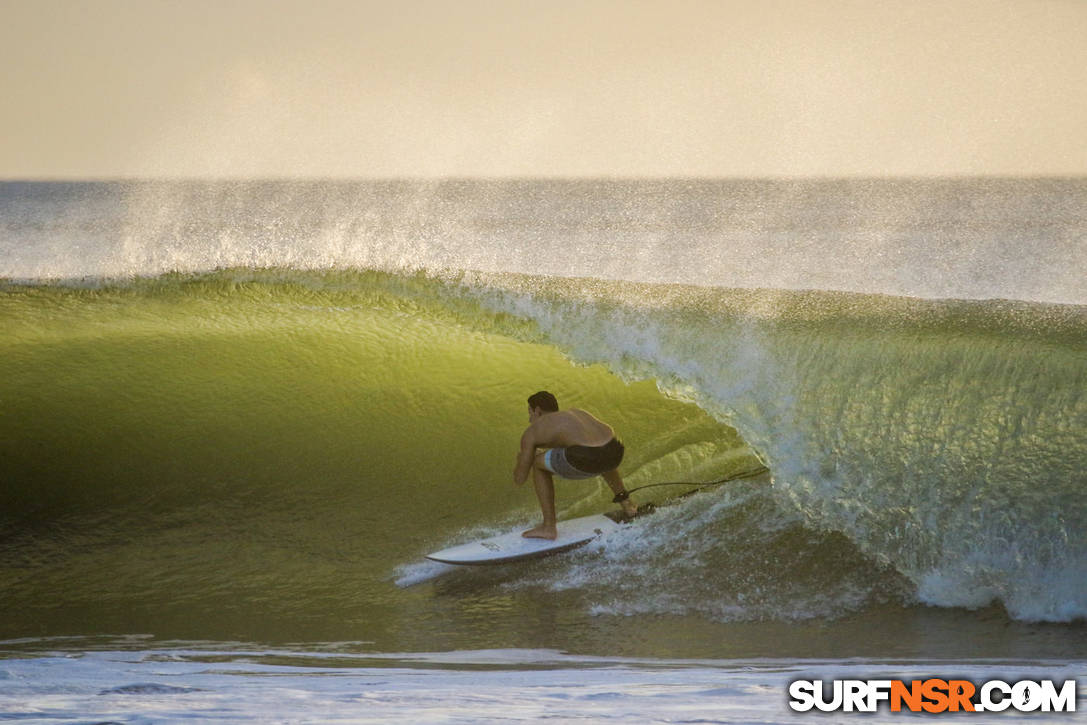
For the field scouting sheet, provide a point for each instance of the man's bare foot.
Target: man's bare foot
(630, 508)
(543, 531)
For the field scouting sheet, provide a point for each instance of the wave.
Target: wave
(919, 450)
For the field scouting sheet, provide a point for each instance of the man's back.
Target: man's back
(571, 427)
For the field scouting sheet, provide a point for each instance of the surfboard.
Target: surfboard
(512, 546)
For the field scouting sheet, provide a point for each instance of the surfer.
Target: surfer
(578, 446)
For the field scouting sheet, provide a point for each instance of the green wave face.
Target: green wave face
(183, 450)
(265, 455)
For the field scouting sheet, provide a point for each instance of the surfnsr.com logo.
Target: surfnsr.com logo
(933, 695)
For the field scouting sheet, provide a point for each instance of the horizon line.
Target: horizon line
(536, 178)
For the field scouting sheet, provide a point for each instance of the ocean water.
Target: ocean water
(235, 416)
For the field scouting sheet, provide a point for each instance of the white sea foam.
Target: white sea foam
(505, 686)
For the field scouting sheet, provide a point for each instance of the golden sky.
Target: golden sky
(429, 88)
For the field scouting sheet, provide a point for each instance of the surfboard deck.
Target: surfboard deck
(511, 546)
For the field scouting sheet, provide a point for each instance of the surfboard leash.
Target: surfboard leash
(703, 484)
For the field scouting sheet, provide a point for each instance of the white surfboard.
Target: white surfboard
(514, 547)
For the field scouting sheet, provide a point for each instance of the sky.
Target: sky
(542, 88)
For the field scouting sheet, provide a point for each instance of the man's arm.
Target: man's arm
(525, 456)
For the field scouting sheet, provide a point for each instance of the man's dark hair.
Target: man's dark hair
(543, 400)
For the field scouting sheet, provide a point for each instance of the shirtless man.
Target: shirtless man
(577, 446)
